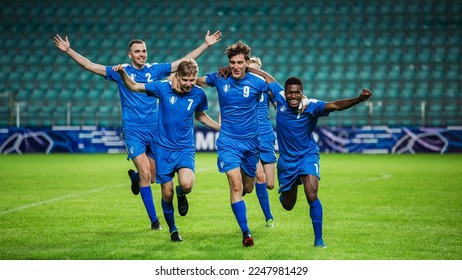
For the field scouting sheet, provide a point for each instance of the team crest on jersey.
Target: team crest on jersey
(172, 100)
(131, 150)
(283, 108)
(226, 87)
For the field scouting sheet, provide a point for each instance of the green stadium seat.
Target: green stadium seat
(398, 34)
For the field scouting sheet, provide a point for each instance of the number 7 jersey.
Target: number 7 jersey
(176, 114)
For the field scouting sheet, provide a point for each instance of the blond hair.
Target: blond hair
(255, 60)
(188, 67)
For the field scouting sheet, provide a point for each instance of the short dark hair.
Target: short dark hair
(135, 41)
(238, 48)
(293, 81)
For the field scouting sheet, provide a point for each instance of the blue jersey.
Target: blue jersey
(294, 129)
(176, 114)
(265, 125)
(139, 110)
(238, 104)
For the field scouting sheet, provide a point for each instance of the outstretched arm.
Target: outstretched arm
(210, 40)
(268, 78)
(201, 81)
(344, 104)
(129, 83)
(65, 46)
(203, 118)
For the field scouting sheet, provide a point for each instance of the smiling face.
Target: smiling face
(187, 82)
(138, 54)
(293, 95)
(238, 64)
(187, 74)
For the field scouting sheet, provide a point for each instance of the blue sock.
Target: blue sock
(262, 194)
(135, 177)
(240, 212)
(316, 218)
(167, 207)
(146, 195)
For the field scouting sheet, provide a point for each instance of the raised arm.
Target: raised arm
(129, 83)
(203, 118)
(344, 104)
(210, 40)
(65, 46)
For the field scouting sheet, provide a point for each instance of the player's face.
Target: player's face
(293, 95)
(238, 64)
(187, 82)
(138, 54)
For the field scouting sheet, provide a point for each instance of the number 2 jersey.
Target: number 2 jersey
(139, 110)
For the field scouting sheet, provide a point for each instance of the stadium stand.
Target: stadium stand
(408, 52)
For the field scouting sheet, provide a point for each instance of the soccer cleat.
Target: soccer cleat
(319, 243)
(247, 240)
(270, 223)
(182, 203)
(135, 184)
(175, 236)
(156, 225)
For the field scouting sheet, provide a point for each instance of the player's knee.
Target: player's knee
(312, 197)
(260, 178)
(167, 196)
(269, 186)
(248, 190)
(187, 188)
(145, 175)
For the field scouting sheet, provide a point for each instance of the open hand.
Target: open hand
(61, 44)
(212, 39)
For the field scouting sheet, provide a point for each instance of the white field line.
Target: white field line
(39, 203)
(384, 176)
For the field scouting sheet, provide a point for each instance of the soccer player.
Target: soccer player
(266, 165)
(174, 143)
(139, 112)
(298, 161)
(238, 142)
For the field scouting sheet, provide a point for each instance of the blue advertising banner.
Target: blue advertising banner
(390, 140)
(368, 139)
(61, 139)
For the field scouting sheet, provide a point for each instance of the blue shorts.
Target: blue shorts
(267, 152)
(168, 162)
(233, 154)
(289, 172)
(138, 141)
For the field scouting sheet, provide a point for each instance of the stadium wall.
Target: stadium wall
(365, 140)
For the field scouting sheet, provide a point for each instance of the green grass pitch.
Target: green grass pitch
(376, 207)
